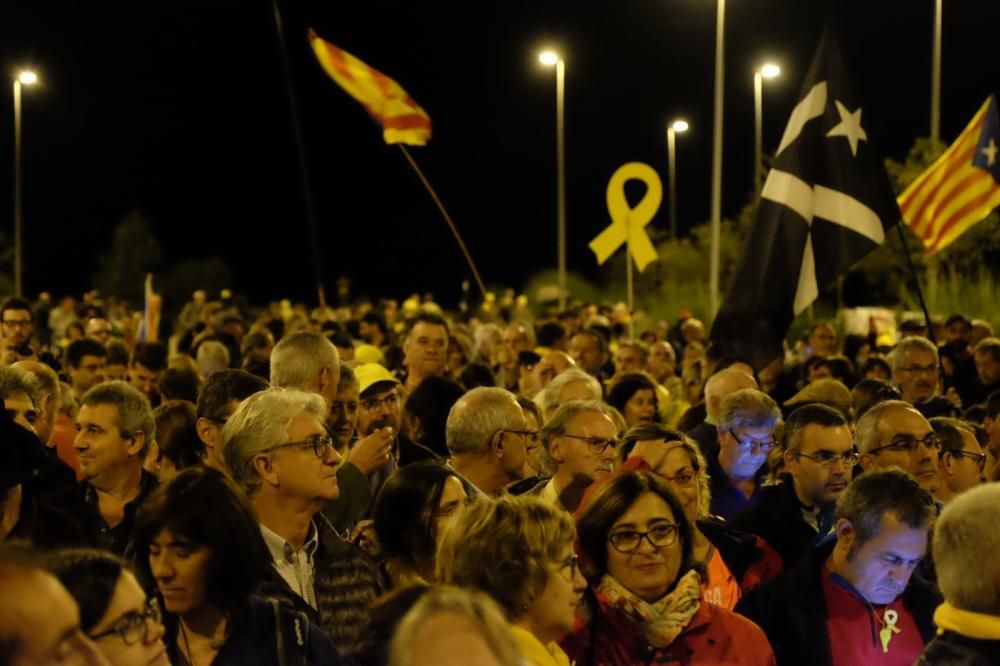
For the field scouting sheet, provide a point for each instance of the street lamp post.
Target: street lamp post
(716, 219)
(673, 129)
(552, 58)
(768, 71)
(936, 77)
(25, 78)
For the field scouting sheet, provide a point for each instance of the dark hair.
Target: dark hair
(205, 507)
(875, 362)
(811, 414)
(16, 303)
(179, 384)
(653, 432)
(627, 386)
(950, 432)
(428, 318)
(550, 333)
(83, 347)
(384, 616)
(176, 434)
(223, 387)
(117, 353)
(340, 338)
(600, 339)
(404, 509)
(531, 407)
(870, 392)
(475, 375)
(612, 499)
(430, 402)
(378, 319)
(90, 576)
(150, 355)
(873, 494)
(841, 368)
(256, 340)
(993, 405)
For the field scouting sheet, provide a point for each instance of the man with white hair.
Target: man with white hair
(718, 386)
(966, 543)
(275, 446)
(307, 361)
(894, 434)
(488, 437)
(915, 371)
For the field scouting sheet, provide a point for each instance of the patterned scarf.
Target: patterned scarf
(661, 621)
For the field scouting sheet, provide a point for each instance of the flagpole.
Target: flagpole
(936, 78)
(916, 282)
(307, 195)
(447, 217)
(628, 272)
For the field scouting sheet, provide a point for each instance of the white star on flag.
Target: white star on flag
(991, 153)
(850, 127)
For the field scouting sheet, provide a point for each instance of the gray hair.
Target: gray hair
(134, 414)
(549, 397)
(477, 416)
(871, 496)
(866, 433)
(966, 543)
(15, 381)
(212, 357)
(912, 343)
(991, 346)
(259, 423)
(482, 333)
(298, 359)
(557, 424)
(749, 408)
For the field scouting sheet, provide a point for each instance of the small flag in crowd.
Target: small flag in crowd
(961, 187)
(401, 118)
(826, 203)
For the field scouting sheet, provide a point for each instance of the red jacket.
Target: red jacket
(714, 636)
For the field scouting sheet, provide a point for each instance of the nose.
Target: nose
(155, 631)
(579, 582)
(332, 457)
(161, 567)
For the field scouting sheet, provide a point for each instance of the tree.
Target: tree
(134, 252)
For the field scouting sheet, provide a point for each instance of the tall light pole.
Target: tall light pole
(673, 129)
(936, 77)
(552, 58)
(716, 220)
(23, 78)
(768, 71)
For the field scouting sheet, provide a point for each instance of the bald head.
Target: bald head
(722, 384)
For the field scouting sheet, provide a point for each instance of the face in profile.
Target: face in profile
(131, 632)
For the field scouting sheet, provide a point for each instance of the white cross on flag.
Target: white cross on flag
(826, 203)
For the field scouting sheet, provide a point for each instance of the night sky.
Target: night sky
(178, 110)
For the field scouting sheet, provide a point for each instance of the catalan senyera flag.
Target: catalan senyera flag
(401, 118)
(961, 187)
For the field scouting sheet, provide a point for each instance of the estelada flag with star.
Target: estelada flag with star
(826, 203)
(401, 118)
(961, 187)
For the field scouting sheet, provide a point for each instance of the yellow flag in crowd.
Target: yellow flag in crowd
(401, 118)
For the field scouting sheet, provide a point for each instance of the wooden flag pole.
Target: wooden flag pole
(447, 218)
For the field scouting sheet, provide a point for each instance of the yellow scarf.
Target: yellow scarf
(534, 653)
(967, 623)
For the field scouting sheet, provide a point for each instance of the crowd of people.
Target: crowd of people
(388, 484)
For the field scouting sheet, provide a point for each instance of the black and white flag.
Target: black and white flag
(826, 203)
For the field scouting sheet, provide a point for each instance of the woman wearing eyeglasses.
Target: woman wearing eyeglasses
(519, 550)
(197, 539)
(645, 602)
(412, 510)
(114, 610)
(734, 561)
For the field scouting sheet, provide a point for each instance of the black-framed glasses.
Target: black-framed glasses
(980, 458)
(685, 477)
(320, 445)
(529, 435)
(910, 444)
(597, 445)
(134, 627)
(829, 458)
(371, 404)
(752, 445)
(568, 567)
(17, 323)
(628, 541)
(919, 369)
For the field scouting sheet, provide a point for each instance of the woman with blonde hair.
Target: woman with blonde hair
(519, 551)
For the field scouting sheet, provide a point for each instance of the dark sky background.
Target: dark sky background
(178, 110)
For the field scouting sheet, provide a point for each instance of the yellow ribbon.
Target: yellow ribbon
(628, 223)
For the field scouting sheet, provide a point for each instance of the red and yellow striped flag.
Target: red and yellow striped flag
(401, 118)
(960, 188)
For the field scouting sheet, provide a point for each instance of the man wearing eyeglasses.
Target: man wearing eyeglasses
(819, 456)
(747, 421)
(894, 434)
(18, 328)
(961, 462)
(277, 449)
(581, 441)
(915, 372)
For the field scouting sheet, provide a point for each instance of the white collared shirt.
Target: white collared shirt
(296, 567)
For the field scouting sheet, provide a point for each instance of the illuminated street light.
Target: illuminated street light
(767, 71)
(674, 128)
(552, 58)
(25, 78)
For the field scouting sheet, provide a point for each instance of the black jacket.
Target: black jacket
(954, 649)
(777, 519)
(748, 558)
(791, 609)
